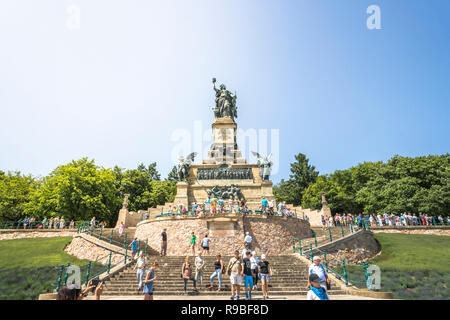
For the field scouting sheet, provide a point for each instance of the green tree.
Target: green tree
(16, 191)
(302, 175)
(78, 190)
(173, 175)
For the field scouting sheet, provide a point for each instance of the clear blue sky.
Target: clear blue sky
(136, 71)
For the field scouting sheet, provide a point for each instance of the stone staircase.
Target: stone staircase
(289, 278)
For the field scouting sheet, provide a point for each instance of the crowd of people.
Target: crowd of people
(54, 223)
(385, 219)
(407, 219)
(213, 206)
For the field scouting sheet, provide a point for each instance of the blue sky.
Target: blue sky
(136, 71)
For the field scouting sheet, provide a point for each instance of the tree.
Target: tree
(16, 191)
(173, 174)
(78, 190)
(302, 175)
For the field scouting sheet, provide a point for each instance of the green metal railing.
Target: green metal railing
(350, 274)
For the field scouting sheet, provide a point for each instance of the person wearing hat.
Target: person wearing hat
(244, 252)
(248, 239)
(317, 268)
(266, 271)
(316, 291)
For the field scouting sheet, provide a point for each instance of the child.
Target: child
(192, 244)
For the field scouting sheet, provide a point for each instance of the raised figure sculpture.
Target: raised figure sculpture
(264, 164)
(184, 166)
(225, 102)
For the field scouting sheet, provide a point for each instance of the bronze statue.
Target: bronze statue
(225, 102)
(264, 164)
(184, 166)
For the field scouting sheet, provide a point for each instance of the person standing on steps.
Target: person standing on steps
(248, 276)
(317, 268)
(186, 274)
(205, 244)
(140, 266)
(133, 246)
(218, 270)
(199, 267)
(121, 227)
(235, 270)
(148, 282)
(254, 261)
(164, 242)
(244, 252)
(316, 291)
(265, 270)
(193, 241)
(248, 239)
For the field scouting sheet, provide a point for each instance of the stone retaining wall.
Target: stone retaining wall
(20, 234)
(443, 231)
(271, 235)
(84, 249)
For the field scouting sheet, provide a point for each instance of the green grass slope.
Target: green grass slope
(28, 267)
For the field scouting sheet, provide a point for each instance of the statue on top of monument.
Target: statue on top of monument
(264, 164)
(184, 166)
(225, 102)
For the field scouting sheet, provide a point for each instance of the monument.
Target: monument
(224, 172)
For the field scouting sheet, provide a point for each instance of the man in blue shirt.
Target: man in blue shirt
(264, 203)
(133, 246)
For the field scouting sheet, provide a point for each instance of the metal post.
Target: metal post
(351, 227)
(342, 231)
(366, 275)
(315, 238)
(139, 247)
(58, 283)
(66, 275)
(146, 245)
(111, 236)
(100, 234)
(329, 231)
(293, 245)
(310, 251)
(325, 260)
(125, 258)
(300, 246)
(345, 272)
(88, 272)
(125, 241)
(109, 262)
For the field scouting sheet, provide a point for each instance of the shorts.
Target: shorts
(205, 248)
(248, 281)
(236, 279)
(192, 245)
(133, 252)
(265, 277)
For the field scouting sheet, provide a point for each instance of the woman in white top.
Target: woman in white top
(121, 229)
(199, 266)
(254, 260)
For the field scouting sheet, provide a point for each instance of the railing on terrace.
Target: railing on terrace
(221, 212)
(114, 238)
(351, 274)
(89, 271)
(20, 224)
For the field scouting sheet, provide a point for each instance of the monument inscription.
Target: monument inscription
(224, 173)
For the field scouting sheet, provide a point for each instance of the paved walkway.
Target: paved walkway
(334, 297)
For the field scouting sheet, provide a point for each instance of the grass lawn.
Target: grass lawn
(29, 267)
(413, 252)
(412, 266)
(35, 252)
